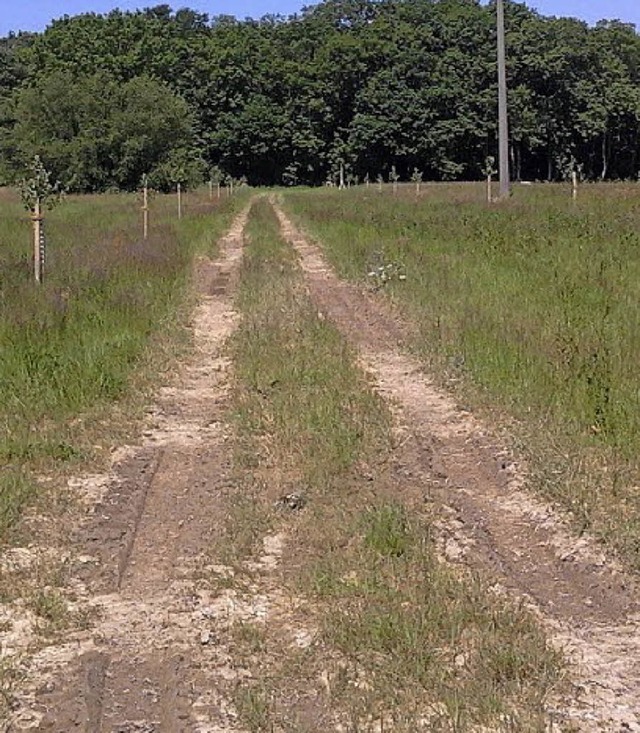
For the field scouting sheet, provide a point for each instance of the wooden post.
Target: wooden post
(145, 210)
(489, 194)
(210, 189)
(574, 184)
(218, 189)
(179, 201)
(37, 243)
(341, 176)
(43, 243)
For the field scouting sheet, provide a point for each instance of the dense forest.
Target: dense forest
(370, 85)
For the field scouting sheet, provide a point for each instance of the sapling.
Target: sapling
(178, 177)
(216, 177)
(571, 171)
(38, 193)
(576, 177)
(489, 171)
(416, 177)
(380, 180)
(394, 178)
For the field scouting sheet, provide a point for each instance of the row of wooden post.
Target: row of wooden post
(39, 241)
(145, 202)
(574, 187)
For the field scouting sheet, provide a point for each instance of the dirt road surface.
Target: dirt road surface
(160, 657)
(150, 663)
(586, 602)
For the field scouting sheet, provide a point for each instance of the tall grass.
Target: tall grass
(72, 344)
(535, 304)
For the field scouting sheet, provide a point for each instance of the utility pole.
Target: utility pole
(503, 119)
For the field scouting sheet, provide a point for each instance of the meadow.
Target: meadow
(91, 334)
(528, 309)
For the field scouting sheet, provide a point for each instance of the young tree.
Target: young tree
(394, 178)
(416, 177)
(38, 193)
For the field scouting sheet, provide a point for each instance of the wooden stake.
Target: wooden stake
(145, 211)
(179, 201)
(218, 189)
(489, 193)
(341, 176)
(574, 182)
(37, 242)
(210, 189)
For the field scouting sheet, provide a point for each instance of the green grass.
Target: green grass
(16, 490)
(298, 365)
(400, 636)
(72, 346)
(531, 307)
(428, 641)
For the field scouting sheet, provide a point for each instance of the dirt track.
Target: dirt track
(148, 664)
(159, 657)
(589, 606)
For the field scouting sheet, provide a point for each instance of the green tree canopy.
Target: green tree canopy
(362, 84)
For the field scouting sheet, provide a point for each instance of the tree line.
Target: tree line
(366, 86)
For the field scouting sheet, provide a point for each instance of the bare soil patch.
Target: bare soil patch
(585, 600)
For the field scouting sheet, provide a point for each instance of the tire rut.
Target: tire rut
(144, 667)
(586, 602)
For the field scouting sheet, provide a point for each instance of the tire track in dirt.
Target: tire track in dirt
(148, 664)
(586, 602)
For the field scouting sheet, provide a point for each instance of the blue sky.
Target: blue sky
(34, 15)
